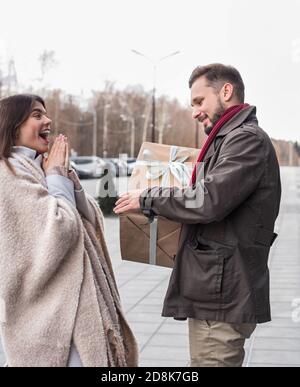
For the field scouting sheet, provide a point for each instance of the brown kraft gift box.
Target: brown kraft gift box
(164, 166)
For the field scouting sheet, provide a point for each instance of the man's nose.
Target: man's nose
(196, 113)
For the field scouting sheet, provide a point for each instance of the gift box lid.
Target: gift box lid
(163, 165)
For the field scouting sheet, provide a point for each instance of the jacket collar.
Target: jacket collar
(248, 114)
(25, 151)
(28, 152)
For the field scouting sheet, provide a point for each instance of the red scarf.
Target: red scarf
(227, 115)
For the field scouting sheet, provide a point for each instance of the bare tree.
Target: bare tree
(47, 61)
(8, 78)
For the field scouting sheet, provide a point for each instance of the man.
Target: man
(220, 280)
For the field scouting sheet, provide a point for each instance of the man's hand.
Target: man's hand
(129, 202)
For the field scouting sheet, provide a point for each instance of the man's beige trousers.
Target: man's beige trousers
(217, 344)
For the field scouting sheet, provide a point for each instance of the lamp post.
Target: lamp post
(105, 129)
(94, 130)
(154, 64)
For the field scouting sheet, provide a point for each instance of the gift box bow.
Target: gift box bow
(175, 166)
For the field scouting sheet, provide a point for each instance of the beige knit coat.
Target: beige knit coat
(56, 279)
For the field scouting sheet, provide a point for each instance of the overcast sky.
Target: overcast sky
(92, 40)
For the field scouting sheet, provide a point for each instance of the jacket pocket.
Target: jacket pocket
(204, 268)
(265, 237)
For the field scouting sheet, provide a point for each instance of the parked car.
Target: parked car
(111, 166)
(73, 166)
(88, 167)
(121, 167)
(131, 163)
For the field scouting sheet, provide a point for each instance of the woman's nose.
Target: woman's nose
(48, 120)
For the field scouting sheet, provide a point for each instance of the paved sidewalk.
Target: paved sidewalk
(164, 342)
(278, 342)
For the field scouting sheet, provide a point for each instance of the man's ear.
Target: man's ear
(227, 92)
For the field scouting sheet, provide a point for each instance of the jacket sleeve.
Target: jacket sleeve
(66, 184)
(61, 187)
(230, 182)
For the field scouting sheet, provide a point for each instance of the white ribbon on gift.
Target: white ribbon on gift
(159, 169)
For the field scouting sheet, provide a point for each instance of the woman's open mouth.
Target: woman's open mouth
(45, 136)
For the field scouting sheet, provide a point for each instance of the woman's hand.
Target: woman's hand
(58, 156)
(67, 162)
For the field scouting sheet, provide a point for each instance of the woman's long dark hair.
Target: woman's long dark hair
(14, 111)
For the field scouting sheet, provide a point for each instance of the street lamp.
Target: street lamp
(94, 130)
(105, 129)
(154, 64)
(129, 119)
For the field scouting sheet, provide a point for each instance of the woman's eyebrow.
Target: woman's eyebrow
(39, 111)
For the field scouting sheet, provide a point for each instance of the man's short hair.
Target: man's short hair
(217, 75)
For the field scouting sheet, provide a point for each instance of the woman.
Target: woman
(59, 305)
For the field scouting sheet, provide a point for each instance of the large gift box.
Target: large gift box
(156, 242)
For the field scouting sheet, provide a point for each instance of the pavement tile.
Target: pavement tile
(181, 328)
(281, 310)
(162, 363)
(144, 317)
(292, 293)
(139, 286)
(143, 327)
(153, 301)
(276, 344)
(285, 286)
(275, 332)
(276, 357)
(165, 353)
(284, 297)
(2, 359)
(284, 323)
(142, 339)
(167, 340)
(145, 309)
(271, 365)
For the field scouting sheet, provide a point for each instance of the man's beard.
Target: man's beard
(220, 109)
